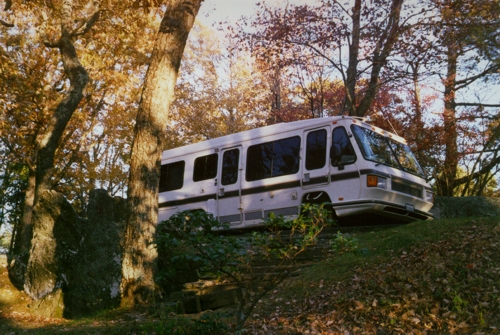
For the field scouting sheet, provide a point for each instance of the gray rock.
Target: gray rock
(55, 243)
(74, 267)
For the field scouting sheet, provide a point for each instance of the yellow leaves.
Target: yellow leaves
(410, 316)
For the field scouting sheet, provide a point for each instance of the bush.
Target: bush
(193, 239)
(178, 325)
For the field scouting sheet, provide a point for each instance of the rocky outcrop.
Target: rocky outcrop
(54, 247)
(74, 268)
(96, 281)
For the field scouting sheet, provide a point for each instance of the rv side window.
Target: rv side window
(316, 149)
(342, 150)
(205, 167)
(172, 176)
(230, 161)
(273, 159)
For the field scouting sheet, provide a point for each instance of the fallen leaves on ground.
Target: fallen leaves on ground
(30, 320)
(449, 286)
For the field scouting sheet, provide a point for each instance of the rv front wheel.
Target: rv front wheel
(319, 198)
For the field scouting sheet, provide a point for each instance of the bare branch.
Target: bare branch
(476, 104)
(467, 81)
(6, 24)
(85, 25)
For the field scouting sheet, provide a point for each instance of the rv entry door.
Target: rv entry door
(229, 186)
(315, 167)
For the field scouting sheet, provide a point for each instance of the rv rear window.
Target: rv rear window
(172, 176)
(273, 159)
(205, 167)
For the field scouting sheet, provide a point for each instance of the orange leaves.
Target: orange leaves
(358, 305)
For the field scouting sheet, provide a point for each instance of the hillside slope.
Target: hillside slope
(438, 277)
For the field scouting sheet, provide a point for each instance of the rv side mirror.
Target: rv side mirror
(336, 156)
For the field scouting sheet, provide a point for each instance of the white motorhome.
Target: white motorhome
(241, 178)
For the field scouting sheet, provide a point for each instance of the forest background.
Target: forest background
(428, 71)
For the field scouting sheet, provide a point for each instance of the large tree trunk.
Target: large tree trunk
(47, 140)
(446, 180)
(21, 237)
(384, 47)
(138, 267)
(352, 70)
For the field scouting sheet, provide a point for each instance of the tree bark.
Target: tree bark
(385, 45)
(47, 141)
(446, 180)
(139, 263)
(22, 234)
(352, 70)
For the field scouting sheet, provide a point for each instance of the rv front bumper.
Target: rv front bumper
(403, 213)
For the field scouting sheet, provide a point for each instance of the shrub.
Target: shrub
(194, 238)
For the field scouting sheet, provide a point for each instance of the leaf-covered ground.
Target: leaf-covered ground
(446, 284)
(440, 277)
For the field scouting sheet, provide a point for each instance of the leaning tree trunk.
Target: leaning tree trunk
(48, 140)
(138, 286)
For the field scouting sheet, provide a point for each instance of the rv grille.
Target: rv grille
(404, 187)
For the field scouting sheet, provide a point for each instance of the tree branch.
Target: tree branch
(8, 4)
(485, 169)
(6, 24)
(477, 104)
(467, 81)
(85, 25)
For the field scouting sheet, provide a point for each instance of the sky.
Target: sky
(213, 11)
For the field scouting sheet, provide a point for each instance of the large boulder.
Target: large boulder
(54, 246)
(95, 283)
(74, 267)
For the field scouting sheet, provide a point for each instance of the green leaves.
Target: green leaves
(291, 237)
(344, 243)
(256, 262)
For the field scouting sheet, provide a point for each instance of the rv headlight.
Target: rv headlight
(429, 196)
(376, 181)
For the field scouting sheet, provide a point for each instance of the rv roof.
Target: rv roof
(234, 139)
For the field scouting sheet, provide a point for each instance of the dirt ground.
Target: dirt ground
(14, 306)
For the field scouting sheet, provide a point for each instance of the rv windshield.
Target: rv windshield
(384, 150)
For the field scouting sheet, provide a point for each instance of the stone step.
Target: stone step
(204, 295)
(211, 294)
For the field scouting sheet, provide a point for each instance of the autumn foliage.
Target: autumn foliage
(72, 73)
